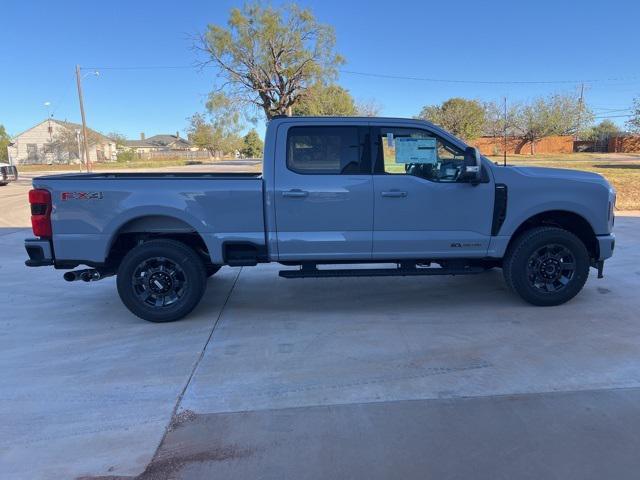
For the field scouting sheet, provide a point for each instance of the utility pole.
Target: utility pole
(580, 107)
(504, 152)
(84, 121)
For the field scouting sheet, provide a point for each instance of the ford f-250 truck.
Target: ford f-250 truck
(333, 192)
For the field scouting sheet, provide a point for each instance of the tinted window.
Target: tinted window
(324, 150)
(408, 151)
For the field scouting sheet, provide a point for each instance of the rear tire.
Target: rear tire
(546, 266)
(161, 280)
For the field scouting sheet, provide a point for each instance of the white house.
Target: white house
(159, 143)
(56, 141)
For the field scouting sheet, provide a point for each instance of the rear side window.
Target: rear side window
(325, 151)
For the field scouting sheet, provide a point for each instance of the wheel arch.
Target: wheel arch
(144, 227)
(565, 219)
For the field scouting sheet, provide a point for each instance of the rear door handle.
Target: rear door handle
(296, 192)
(394, 194)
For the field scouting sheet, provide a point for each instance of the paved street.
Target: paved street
(318, 378)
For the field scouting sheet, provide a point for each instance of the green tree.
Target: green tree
(460, 116)
(555, 115)
(267, 57)
(324, 101)
(633, 123)
(252, 145)
(200, 133)
(5, 139)
(602, 131)
(217, 131)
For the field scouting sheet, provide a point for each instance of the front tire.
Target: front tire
(161, 280)
(546, 266)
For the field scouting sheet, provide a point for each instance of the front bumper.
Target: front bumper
(39, 251)
(606, 244)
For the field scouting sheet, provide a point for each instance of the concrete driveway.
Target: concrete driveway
(321, 378)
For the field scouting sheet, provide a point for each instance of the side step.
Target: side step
(313, 272)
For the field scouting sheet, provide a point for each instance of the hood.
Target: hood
(561, 174)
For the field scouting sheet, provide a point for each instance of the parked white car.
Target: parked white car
(8, 173)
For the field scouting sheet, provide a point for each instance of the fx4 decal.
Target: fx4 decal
(81, 196)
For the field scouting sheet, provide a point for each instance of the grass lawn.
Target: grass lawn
(621, 169)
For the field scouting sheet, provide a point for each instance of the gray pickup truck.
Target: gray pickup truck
(403, 196)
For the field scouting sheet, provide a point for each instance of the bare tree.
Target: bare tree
(634, 121)
(368, 108)
(268, 56)
(65, 144)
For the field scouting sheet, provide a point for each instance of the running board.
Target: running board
(312, 272)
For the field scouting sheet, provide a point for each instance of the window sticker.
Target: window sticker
(416, 150)
(390, 140)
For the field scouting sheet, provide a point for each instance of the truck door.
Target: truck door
(422, 209)
(323, 193)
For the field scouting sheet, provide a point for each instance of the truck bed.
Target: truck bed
(152, 175)
(89, 210)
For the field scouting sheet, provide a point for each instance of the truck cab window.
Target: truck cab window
(324, 150)
(405, 151)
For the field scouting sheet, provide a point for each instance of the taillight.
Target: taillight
(40, 201)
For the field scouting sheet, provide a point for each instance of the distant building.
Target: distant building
(57, 141)
(159, 143)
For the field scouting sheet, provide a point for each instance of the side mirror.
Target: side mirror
(472, 169)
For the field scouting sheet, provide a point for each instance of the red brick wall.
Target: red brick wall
(626, 144)
(515, 145)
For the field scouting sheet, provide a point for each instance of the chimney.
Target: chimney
(177, 134)
(142, 136)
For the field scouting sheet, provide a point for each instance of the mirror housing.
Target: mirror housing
(472, 169)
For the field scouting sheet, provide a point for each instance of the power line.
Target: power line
(388, 76)
(147, 67)
(613, 116)
(486, 82)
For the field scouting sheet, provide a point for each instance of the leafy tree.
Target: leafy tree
(633, 123)
(200, 133)
(5, 139)
(252, 145)
(462, 117)
(555, 115)
(325, 100)
(602, 131)
(232, 144)
(267, 57)
(217, 130)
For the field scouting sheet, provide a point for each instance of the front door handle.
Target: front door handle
(394, 194)
(296, 192)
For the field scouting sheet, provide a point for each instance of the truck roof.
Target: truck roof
(368, 120)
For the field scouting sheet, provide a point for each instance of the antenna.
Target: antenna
(504, 150)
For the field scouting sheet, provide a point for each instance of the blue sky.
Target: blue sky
(41, 41)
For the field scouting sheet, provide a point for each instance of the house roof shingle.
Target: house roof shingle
(164, 140)
(71, 125)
